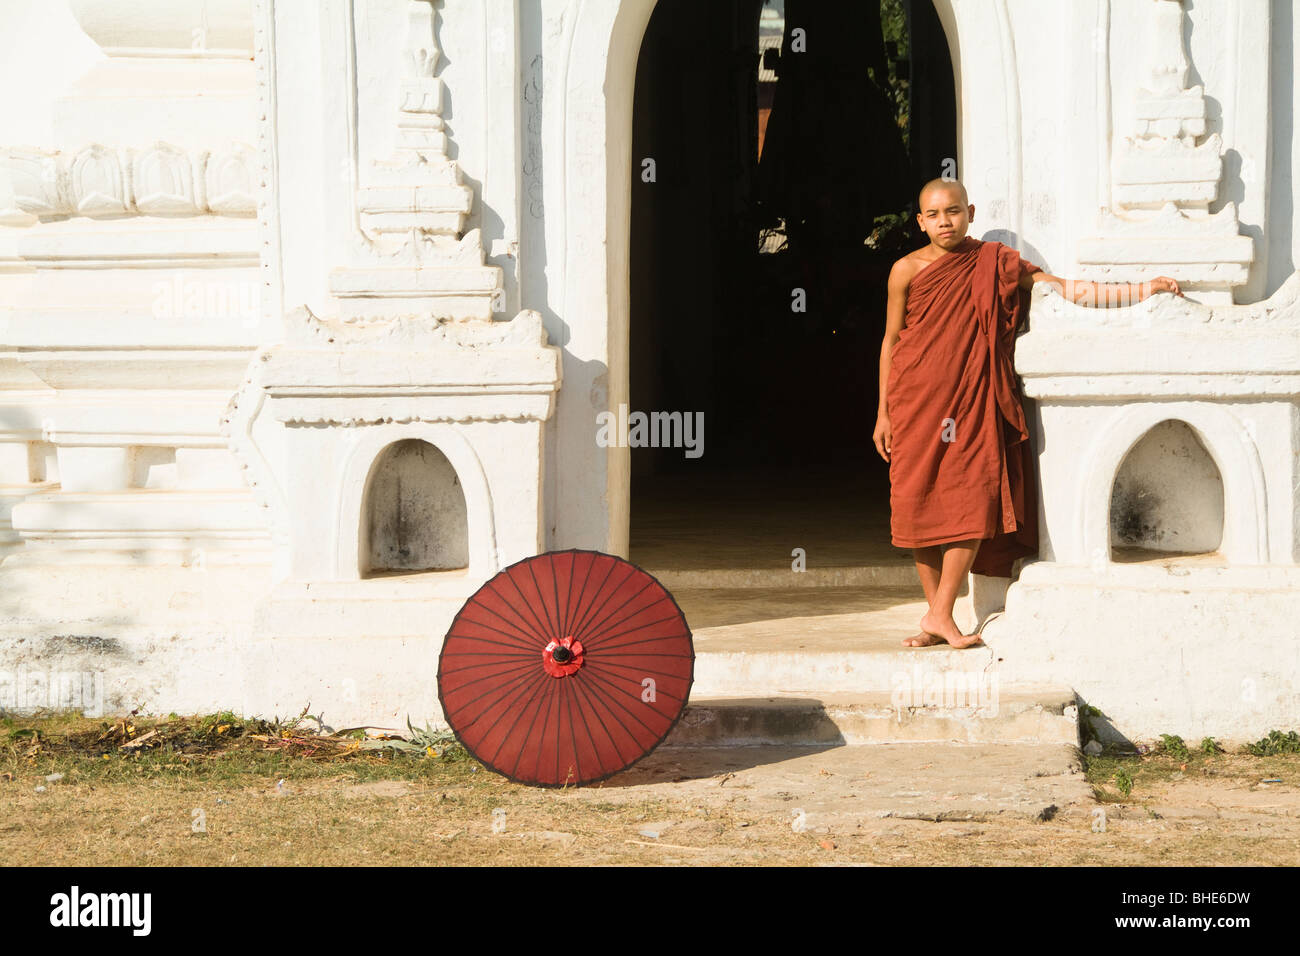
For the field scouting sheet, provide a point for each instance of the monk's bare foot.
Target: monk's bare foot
(946, 629)
(923, 640)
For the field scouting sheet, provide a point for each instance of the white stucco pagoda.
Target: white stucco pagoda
(300, 295)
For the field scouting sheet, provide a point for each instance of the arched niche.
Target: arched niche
(414, 513)
(1225, 439)
(1167, 497)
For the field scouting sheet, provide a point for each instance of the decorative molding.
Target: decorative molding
(166, 28)
(229, 186)
(532, 159)
(1101, 44)
(343, 384)
(1175, 348)
(164, 183)
(1279, 314)
(403, 202)
(95, 184)
(327, 420)
(1155, 215)
(237, 423)
(1011, 105)
(1203, 250)
(408, 210)
(412, 331)
(1093, 388)
(102, 182)
(268, 179)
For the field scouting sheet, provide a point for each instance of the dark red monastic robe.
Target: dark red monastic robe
(961, 464)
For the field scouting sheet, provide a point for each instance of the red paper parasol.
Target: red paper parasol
(566, 668)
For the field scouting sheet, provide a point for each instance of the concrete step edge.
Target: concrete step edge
(1054, 700)
(881, 575)
(1023, 717)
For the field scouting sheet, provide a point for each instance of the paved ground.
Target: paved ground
(914, 804)
(846, 788)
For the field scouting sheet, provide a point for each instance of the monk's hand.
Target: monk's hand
(883, 436)
(1164, 284)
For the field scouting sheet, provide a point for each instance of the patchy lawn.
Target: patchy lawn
(220, 790)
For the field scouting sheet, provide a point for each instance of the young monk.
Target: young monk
(951, 423)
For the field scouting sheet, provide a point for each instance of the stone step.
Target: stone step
(1025, 715)
(781, 642)
(740, 672)
(885, 574)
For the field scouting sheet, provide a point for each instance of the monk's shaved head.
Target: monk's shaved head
(948, 185)
(944, 213)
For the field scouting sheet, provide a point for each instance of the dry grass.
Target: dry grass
(209, 796)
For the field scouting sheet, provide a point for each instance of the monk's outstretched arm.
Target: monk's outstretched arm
(1103, 294)
(894, 312)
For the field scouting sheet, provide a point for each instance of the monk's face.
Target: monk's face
(944, 217)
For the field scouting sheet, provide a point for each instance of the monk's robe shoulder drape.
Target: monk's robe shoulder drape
(961, 464)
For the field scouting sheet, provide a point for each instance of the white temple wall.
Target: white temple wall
(44, 51)
(113, 395)
(1040, 132)
(574, 246)
(130, 302)
(1049, 203)
(1283, 246)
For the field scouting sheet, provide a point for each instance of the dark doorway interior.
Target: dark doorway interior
(758, 278)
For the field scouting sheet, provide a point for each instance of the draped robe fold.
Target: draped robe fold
(961, 463)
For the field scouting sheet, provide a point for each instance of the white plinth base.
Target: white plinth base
(158, 638)
(360, 652)
(348, 681)
(1160, 649)
(112, 638)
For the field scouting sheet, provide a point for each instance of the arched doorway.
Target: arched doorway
(757, 275)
